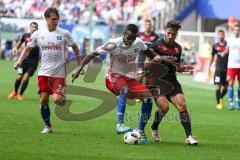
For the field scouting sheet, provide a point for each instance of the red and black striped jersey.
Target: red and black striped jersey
(168, 51)
(148, 39)
(221, 62)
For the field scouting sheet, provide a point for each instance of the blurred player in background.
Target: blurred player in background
(121, 75)
(220, 75)
(167, 48)
(28, 66)
(233, 69)
(52, 42)
(148, 36)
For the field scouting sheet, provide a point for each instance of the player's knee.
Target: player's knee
(25, 82)
(58, 100)
(182, 106)
(164, 109)
(43, 101)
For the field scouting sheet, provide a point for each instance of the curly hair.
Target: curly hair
(173, 24)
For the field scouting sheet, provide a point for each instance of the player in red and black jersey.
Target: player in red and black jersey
(220, 75)
(148, 37)
(29, 65)
(167, 48)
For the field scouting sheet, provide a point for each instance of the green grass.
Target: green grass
(20, 126)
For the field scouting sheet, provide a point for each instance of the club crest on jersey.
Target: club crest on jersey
(59, 37)
(136, 50)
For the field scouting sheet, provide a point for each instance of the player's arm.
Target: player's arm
(184, 68)
(76, 52)
(19, 44)
(181, 67)
(23, 56)
(212, 58)
(84, 62)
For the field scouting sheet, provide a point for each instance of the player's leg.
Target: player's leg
(121, 107)
(25, 80)
(117, 85)
(16, 86)
(44, 92)
(145, 115)
(45, 112)
(231, 78)
(179, 102)
(224, 86)
(58, 87)
(163, 107)
(218, 95)
(217, 79)
(238, 97)
(29, 71)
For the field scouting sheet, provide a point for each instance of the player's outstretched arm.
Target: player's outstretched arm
(23, 56)
(76, 52)
(84, 62)
(15, 49)
(184, 68)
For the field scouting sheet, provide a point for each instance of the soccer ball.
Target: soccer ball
(131, 137)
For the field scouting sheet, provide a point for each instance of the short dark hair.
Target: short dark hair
(221, 31)
(51, 10)
(33, 23)
(132, 28)
(173, 24)
(237, 25)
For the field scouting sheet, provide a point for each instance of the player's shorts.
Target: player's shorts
(29, 66)
(232, 73)
(116, 83)
(52, 85)
(220, 77)
(169, 89)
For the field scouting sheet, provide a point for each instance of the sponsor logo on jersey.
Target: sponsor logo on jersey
(59, 37)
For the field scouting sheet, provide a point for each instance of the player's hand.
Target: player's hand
(79, 70)
(16, 65)
(222, 54)
(157, 59)
(185, 68)
(14, 51)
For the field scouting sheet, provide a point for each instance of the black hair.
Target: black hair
(35, 23)
(220, 30)
(49, 11)
(132, 28)
(173, 24)
(237, 25)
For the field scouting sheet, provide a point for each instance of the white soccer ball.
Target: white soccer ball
(131, 137)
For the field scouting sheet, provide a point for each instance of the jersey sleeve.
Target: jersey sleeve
(180, 54)
(142, 45)
(33, 40)
(213, 51)
(22, 38)
(69, 39)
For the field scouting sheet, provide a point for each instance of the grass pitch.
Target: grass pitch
(20, 126)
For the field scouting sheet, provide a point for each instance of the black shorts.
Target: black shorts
(176, 90)
(220, 77)
(167, 88)
(29, 67)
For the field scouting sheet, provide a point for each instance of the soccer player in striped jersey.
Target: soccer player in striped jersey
(220, 75)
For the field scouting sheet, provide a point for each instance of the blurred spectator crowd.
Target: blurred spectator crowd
(77, 11)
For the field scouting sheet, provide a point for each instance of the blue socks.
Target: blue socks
(45, 113)
(146, 113)
(121, 105)
(230, 95)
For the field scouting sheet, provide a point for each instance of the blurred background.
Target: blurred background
(92, 22)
